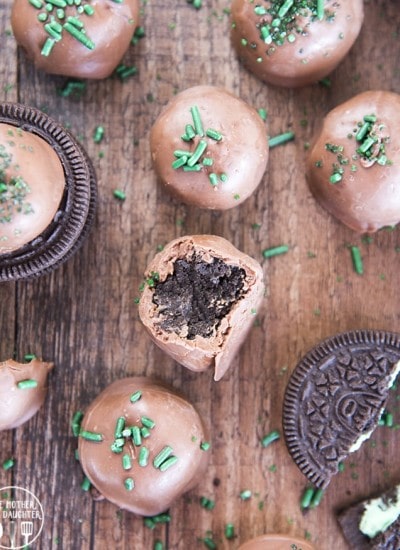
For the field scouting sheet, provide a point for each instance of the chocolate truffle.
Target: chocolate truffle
(142, 445)
(336, 397)
(297, 42)
(373, 524)
(82, 39)
(276, 542)
(209, 148)
(353, 166)
(22, 391)
(48, 193)
(199, 301)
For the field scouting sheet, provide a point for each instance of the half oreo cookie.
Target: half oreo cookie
(32, 143)
(335, 398)
(373, 524)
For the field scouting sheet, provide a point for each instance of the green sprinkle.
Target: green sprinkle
(275, 251)
(27, 384)
(205, 445)
(88, 9)
(207, 503)
(119, 442)
(148, 422)
(229, 531)
(48, 46)
(168, 463)
(129, 484)
(79, 35)
(201, 147)
(363, 131)
(136, 396)
(281, 139)
(143, 457)
(198, 125)
(246, 494)
(179, 162)
(178, 153)
(270, 438)
(223, 178)
(189, 131)
(161, 518)
(125, 71)
(263, 113)
(285, 8)
(306, 498)
(85, 485)
(357, 260)
(28, 357)
(214, 134)
(127, 432)
(158, 545)
(162, 456)
(370, 118)
(73, 87)
(126, 462)
(207, 161)
(209, 543)
(320, 9)
(38, 4)
(115, 448)
(98, 134)
(389, 420)
(213, 179)
(91, 436)
(326, 82)
(76, 422)
(148, 522)
(145, 432)
(195, 168)
(136, 436)
(119, 194)
(119, 426)
(335, 178)
(8, 464)
(316, 498)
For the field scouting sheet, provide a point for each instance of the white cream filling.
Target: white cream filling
(378, 515)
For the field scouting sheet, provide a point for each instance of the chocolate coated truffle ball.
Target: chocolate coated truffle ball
(84, 41)
(142, 445)
(199, 301)
(276, 542)
(32, 183)
(22, 391)
(294, 43)
(353, 168)
(209, 148)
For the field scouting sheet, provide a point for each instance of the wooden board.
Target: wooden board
(83, 316)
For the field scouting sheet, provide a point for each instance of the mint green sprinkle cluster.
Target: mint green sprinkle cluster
(54, 16)
(13, 191)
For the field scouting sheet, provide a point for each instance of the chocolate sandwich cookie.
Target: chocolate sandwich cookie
(23, 388)
(199, 301)
(335, 398)
(276, 542)
(142, 445)
(354, 162)
(209, 148)
(48, 193)
(373, 524)
(293, 43)
(76, 38)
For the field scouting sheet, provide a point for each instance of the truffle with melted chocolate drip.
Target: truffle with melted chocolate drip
(294, 43)
(142, 445)
(23, 388)
(353, 167)
(82, 40)
(199, 300)
(197, 296)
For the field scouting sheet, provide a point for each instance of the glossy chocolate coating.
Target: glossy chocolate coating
(19, 405)
(276, 542)
(369, 197)
(33, 160)
(313, 54)
(177, 424)
(110, 28)
(241, 154)
(220, 349)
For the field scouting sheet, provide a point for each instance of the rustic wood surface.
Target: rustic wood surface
(83, 316)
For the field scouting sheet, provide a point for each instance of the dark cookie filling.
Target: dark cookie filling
(389, 540)
(198, 295)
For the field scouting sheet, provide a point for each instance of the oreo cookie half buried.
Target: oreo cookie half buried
(373, 524)
(335, 398)
(42, 224)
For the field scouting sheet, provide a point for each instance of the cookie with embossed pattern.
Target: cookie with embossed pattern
(373, 524)
(335, 398)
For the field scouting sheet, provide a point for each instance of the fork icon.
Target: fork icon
(26, 530)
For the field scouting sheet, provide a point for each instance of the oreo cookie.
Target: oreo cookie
(335, 398)
(74, 214)
(373, 524)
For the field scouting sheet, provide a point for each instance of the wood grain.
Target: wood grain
(84, 319)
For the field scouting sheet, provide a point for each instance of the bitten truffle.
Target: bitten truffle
(209, 148)
(294, 43)
(142, 445)
(353, 168)
(84, 39)
(23, 388)
(199, 301)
